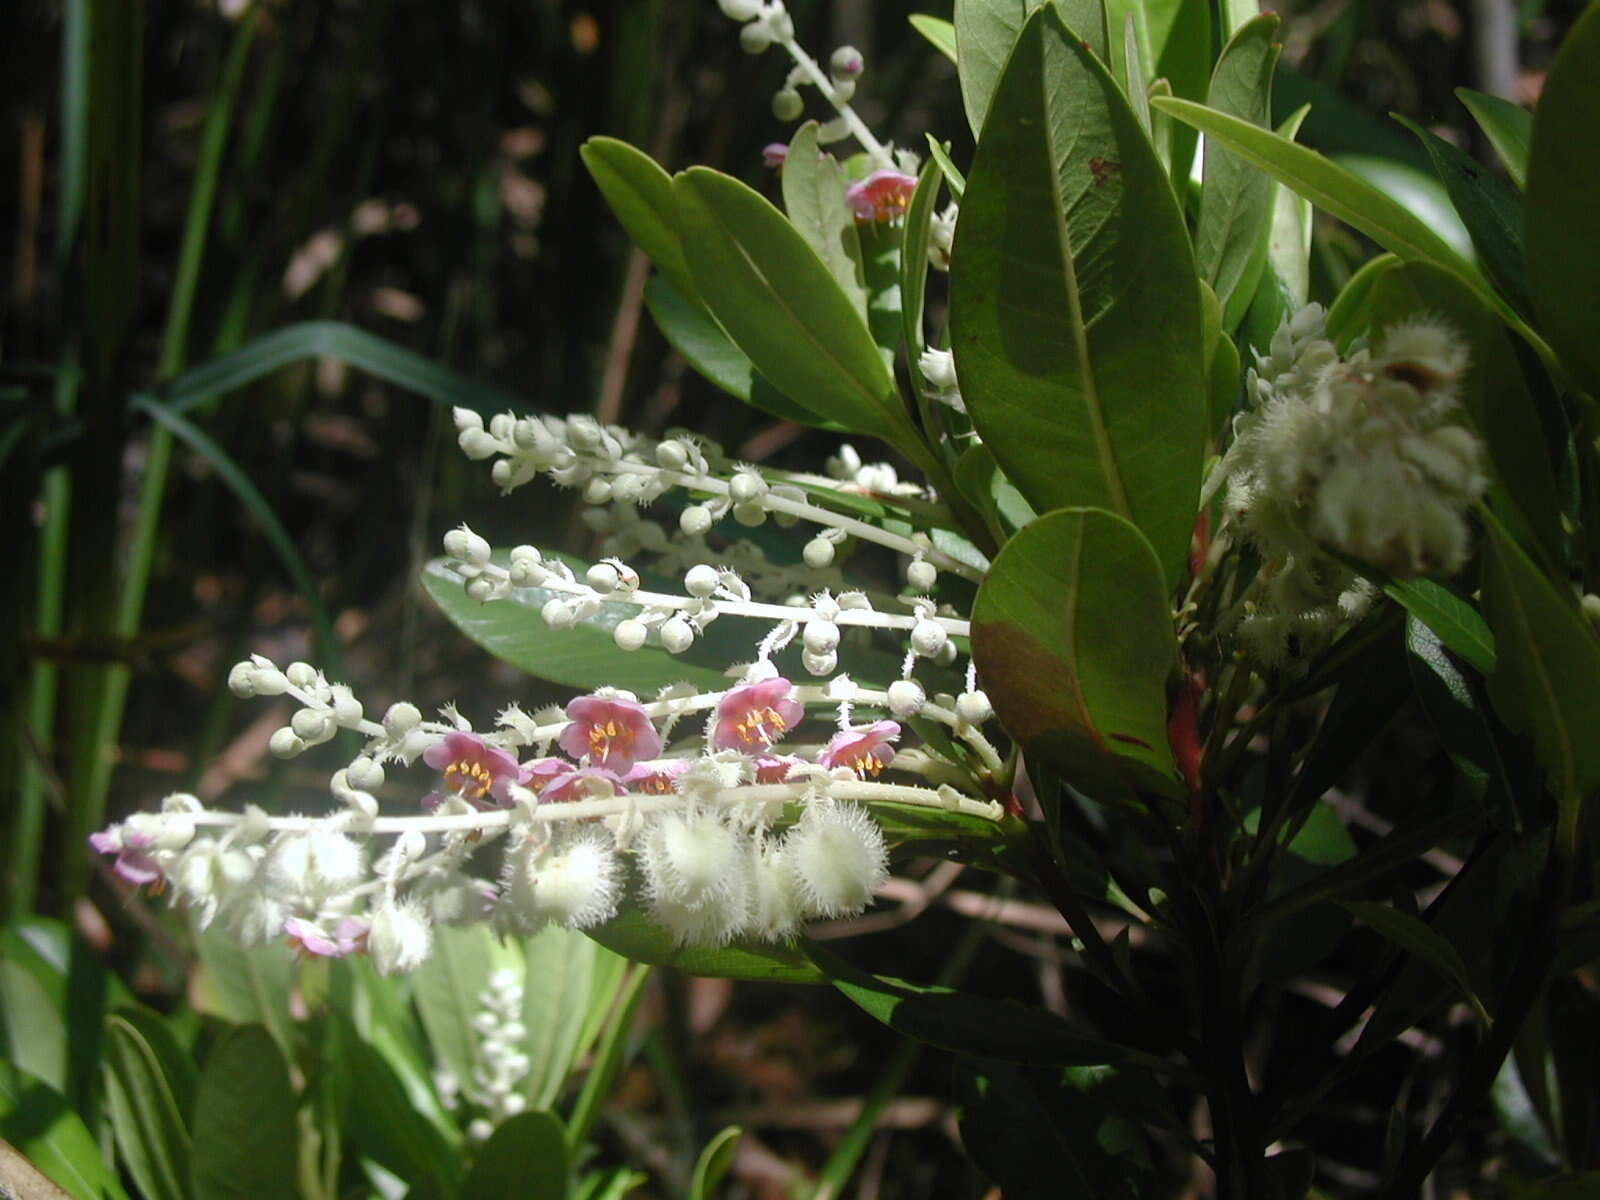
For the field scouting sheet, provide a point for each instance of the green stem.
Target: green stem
(608, 1058)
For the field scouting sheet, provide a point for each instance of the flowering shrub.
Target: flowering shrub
(1149, 503)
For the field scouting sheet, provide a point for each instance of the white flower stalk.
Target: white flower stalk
(1358, 454)
(502, 1061)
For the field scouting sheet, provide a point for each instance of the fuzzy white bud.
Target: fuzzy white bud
(575, 881)
(906, 697)
(399, 939)
(974, 707)
(846, 63)
(928, 638)
(838, 859)
(922, 575)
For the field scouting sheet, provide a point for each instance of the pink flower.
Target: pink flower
(473, 770)
(349, 936)
(882, 196)
(133, 864)
(774, 155)
(573, 785)
(655, 778)
(865, 750)
(752, 716)
(774, 768)
(613, 731)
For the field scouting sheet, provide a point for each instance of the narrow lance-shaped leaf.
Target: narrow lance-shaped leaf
(1508, 126)
(1072, 635)
(1415, 936)
(941, 34)
(813, 197)
(1075, 318)
(640, 194)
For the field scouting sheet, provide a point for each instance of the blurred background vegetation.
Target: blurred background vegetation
(186, 179)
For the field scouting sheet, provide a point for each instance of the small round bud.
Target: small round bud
(974, 707)
(270, 681)
(347, 710)
(603, 577)
(837, 857)
(906, 697)
(818, 553)
(558, 614)
(401, 718)
(695, 520)
(301, 674)
(946, 655)
(922, 575)
(312, 724)
(846, 63)
(787, 105)
(480, 589)
(701, 580)
(285, 743)
(740, 10)
(677, 635)
(755, 37)
(928, 638)
(627, 489)
(525, 554)
(467, 546)
(411, 845)
(477, 445)
(750, 515)
(524, 573)
(819, 664)
(465, 419)
(671, 455)
(501, 425)
(597, 490)
(746, 486)
(504, 474)
(630, 634)
(242, 680)
(821, 637)
(365, 774)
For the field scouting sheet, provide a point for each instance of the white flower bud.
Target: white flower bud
(477, 445)
(465, 419)
(603, 578)
(301, 674)
(906, 697)
(347, 710)
(671, 456)
(746, 486)
(928, 638)
(501, 425)
(922, 575)
(695, 520)
(818, 553)
(677, 635)
(399, 938)
(480, 589)
(630, 634)
(401, 718)
(777, 908)
(242, 680)
(558, 614)
(819, 664)
(938, 367)
(525, 553)
(846, 63)
(787, 105)
(751, 516)
(285, 743)
(755, 37)
(974, 707)
(314, 865)
(821, 637)
(270, 681)
(467, 546)
(575, 881)
(701, 580)
(946, 655)
(697, 875)
(365, 774)
(627, 489)
(597, 490)
(740, 10)
(837, 857)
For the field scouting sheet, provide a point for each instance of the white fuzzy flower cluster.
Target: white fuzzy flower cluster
(501, 1061)
(1361, 455)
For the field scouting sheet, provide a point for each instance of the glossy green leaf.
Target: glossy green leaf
(1175, 46)
(952, 174)
(1491, 210)
(640, 194)
(633, 935)
(245, 1133)
(150, 1123)
(448, 988)
(706, 347)
(1508, 126)
(512, 630)
(246, 985)
(813, 199)
(1072, 635)
(986, 31)
(33, 1034)
(940, 33)
(36, 1119)
(1543, 684)
(1075, 319)
(1236, 198)
(1350, 314)
(712, 1166)
(1452, 618)
(1289, 236)
(1563, 196)
(1423, 196)
(526, 1156)
(1334, 189)
(1494, 394)
(561, 970)
(782, 307)
(914, 264)
(1417, 938)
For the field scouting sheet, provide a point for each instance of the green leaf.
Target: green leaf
(1423, 196)
(1416, 937)
(880, 253)
(1452, 618)
(525, 1157)
(512, 631)
(1333, 188)
(33, 1035)
(986, 31)
(781, 306)
(1491, 210)
(952, 174)
(1563, 194)
(561, 968)
(914, 264)
(1543, 684)
(36, 1119)
(1236, 199)
(1508, 126)
(146, 1114)
(712, 1165)
(640, 194)
(706, 346)
(939, 32)
(969, 1024)
(1289, 237)
(1073, 637)
(245, 1136)
(1075, 318)
(1494, 393)
(246, 985)
(1175, 46)
(448, 986)
(813, 198)
(1350, 314)
(633, 935)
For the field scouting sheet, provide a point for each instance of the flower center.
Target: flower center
(760, 725)
(601, 738)
(472, 780)
(867, 763)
